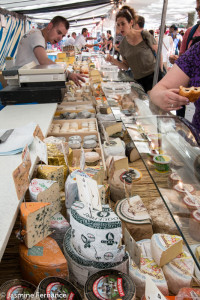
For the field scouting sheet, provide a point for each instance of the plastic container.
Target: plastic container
(162, 163)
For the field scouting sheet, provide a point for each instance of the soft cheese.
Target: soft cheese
(165, 247)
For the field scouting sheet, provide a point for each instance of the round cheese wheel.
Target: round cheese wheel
(14, 289)
(89, 144)
(74, 144)
(75, 138)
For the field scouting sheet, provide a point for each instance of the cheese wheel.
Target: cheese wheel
(16, 289)
(43, 260)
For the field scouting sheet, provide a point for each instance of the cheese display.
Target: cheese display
(17, 288)
(120, 162)
(134, 217)
(179, 270)
(96, 235)
(42, 190)
(165, 247)
(110, 284)
(116, 147)
(52, 173)
(35, 219)
(42, 260)
(58, 226)
(56, 288)
(120, 179)
(81, 268)
(147, 267)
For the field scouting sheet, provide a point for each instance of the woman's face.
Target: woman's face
(124, 26)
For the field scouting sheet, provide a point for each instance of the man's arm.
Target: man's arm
(42, 57)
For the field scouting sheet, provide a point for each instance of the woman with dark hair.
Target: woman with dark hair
(137, 49)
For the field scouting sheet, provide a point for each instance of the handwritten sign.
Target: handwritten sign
(38, 132)
(41, 150)
(132, 247)
(21, 179)
(26, 156)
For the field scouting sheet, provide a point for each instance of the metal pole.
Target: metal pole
(157, 66)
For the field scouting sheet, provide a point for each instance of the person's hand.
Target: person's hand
(77, 78)
(173, 58)
(171, 100)
(109, 58)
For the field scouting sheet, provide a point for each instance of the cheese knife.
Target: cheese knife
(6, 135)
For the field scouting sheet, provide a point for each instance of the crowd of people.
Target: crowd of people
(136, 51)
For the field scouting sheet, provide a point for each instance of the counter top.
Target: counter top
(11, 117)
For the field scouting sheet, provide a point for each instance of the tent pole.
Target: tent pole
(163, 19)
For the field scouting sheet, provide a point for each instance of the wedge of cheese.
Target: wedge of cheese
(165, 248)
(42, 190)
(35, 219)
(55, 173)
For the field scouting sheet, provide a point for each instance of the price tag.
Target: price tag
(21, 179)
(132, 248)
(26, 156)
(82, 160)
(41, 150)
(88, 192)
(65, 150)
(151, 290)
(38, 132)
(111, 168)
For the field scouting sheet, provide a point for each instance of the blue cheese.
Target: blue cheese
(55, 173)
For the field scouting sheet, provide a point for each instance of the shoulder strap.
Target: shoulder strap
(192, 32)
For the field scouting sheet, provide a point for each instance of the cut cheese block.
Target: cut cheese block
(147, 267)
(42, 190)
(114, 128)
(120, 162)
(43, 260)
(114, 148)
(165, 247)
(131, 152)
(52, 173)
(35, 219)
(179, 272)
(95, 172)
(134, 217)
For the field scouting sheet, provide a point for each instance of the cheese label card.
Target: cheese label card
(132, 248)
(88, 192)
(26, 156)
(21, 179)
(111, 169)
(82, 160)
(106, 135)
(65, 150)
(38, 132)
(41, 150)
(151, 290)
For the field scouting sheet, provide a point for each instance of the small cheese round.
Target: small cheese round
(75, 138)
(89, 144)
(74, 144)
(92, 158)
(90, 137)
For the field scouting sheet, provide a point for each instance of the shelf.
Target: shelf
(12, 117)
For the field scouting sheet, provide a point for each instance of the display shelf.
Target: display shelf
(172, 139)
(12, 117)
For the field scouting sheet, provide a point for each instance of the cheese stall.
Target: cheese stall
(118, 190)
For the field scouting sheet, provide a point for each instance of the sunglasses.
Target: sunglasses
(197, 8)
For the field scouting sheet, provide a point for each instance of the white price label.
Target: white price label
(151, 290)
(41, 150)
(132, 247)
(142, 147)
(82, 160)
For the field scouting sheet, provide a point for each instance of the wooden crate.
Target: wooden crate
(74, 108)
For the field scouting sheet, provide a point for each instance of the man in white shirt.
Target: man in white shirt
(33, 44)
(71, 40)
(81, 42)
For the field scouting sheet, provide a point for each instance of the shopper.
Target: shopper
(109, 44)
(185, 72)
(70, 40)
(81, 40)
(137, 49)
(177, 38)
(32, 45)
(167, 47)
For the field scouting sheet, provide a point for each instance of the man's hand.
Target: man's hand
(76, 78)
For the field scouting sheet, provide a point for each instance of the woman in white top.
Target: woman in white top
(167, 48)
